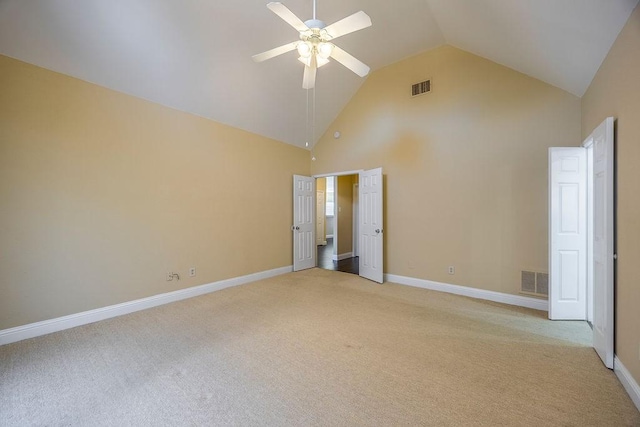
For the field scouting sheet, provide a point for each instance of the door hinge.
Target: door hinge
(615, 256)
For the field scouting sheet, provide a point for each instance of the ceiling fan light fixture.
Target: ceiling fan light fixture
(325, 49)
(304, 49)
(315, 45)
(320, 61)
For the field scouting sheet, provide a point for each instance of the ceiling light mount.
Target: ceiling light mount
(315, 24)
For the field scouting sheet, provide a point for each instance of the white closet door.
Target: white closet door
(304, 241)
(371, 241)
(603, 245)
(567, 233)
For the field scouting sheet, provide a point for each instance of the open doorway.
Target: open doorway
(337, 223)
(582, 235)
(368, 233)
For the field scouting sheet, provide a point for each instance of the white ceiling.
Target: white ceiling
(195, 55)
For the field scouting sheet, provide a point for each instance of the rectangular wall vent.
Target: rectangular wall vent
(534, 283)
(542, 283)
(421, 88)
(528, 282)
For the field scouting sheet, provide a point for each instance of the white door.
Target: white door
(304, 241)
(601, 141)
(320, 215)
(371, 242)
(567, 233)
(356, 221)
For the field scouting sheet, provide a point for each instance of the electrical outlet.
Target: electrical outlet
(192, 272)
(452, 269)
(169, 276)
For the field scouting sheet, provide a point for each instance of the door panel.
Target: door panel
(371, 220)
(603, 240)
(320, 216)
(304, 241)
(567, 233)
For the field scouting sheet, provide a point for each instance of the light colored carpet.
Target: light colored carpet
(315, 348)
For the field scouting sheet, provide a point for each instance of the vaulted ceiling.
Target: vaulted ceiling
(195, 55)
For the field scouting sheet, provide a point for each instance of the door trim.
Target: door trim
(355, 216)
(324, 175)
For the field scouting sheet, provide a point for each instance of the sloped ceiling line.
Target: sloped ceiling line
(195, 56)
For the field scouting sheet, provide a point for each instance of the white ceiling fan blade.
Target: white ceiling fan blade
(283, 12)
(355, 65)
(355, 22)
(309, 77)
(275, 52)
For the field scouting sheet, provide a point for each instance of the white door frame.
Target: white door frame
(324, 175)
(336, 214)
(321, 238)
(356, 220)
(589, 148)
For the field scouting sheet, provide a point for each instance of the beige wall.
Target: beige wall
(345, 214)
(615, 91)
(103, 193)
(465, 166)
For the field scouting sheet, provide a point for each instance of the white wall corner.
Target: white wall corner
(534, 303)
(44, 327)
(627, 380)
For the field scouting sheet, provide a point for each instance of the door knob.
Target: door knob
(297, 228)
(377, 231)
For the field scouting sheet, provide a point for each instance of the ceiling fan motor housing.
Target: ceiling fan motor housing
(315, 23)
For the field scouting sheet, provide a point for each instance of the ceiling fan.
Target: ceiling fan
(316, 42)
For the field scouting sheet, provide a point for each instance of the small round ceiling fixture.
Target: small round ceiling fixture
(337, 134)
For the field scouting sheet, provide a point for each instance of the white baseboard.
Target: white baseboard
(629, 384)
(44, 327)
(340, 257)
(520, 301)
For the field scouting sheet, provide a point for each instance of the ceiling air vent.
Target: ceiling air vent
(421, 88)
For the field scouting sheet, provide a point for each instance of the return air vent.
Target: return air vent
(542, 283)
(421, 88)
(534, 283)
